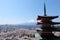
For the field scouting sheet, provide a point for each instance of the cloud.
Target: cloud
(18, 22)
(10, 22)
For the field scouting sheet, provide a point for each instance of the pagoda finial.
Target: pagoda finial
(44, 9)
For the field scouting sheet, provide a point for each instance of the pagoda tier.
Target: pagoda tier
(46, 18)
(51, 23)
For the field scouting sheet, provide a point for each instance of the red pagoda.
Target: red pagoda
(46, 24)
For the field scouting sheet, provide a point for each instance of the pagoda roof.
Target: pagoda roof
(46, 17)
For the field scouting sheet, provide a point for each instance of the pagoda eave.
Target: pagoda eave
(46, 17)
(52, 23)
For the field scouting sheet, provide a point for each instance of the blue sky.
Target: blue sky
(23, 11)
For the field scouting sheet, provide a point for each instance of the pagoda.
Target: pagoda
(46, 24)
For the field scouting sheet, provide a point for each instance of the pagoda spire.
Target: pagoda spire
(44, 9)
